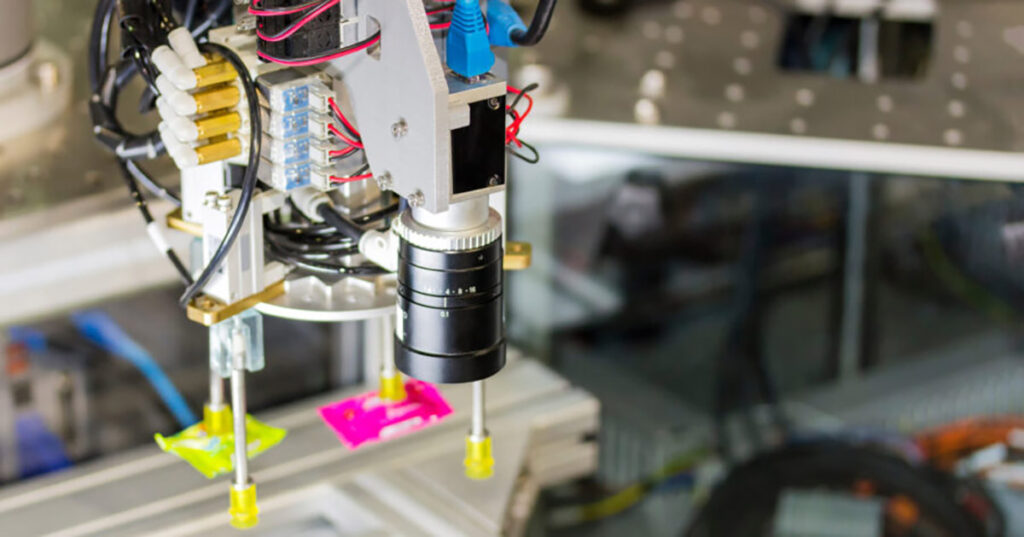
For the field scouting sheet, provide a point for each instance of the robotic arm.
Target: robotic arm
(338, 160)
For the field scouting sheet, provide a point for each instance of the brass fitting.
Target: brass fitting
(216, 98)
(218, 149)
(211, 126)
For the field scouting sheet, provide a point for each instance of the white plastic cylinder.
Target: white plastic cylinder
(171, 66)
(182, 43)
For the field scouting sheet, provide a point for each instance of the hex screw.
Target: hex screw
(399, 129)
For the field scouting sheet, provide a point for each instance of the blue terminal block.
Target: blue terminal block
(503, 20)
(469, 49)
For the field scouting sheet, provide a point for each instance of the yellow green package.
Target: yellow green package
(211, 454)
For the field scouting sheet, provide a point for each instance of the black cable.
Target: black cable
(249, 180)
(519, 96)
(140, 202)
(295, 25)
(99, 41)
(289, 9)
(529, 160)
(538, 26)
(299, 248)
(511, 108)
(353, 46)
(323, 268)
(301, 231)
(344, 226)
(106, 81)
(379, 214)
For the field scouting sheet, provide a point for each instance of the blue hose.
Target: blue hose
(101, 329)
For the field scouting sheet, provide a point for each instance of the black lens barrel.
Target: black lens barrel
(450, 325)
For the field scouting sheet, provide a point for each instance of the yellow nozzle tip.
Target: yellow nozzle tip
(243, 511)
(392, 388)
(479, 460)
(217, 422)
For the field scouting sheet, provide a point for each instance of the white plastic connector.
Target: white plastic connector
(318, 98)
(183, 44)
(171, 66)
(307, 199)
(380, 247)
(167, 112)
(181, 102)
(320, 153)
(183, 155)
(318, 126)
(184, 129)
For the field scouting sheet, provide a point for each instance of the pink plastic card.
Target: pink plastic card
(368, 418)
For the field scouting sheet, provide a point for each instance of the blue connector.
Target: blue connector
(504, 20)
(469, 50)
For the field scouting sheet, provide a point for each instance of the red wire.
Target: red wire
(344, 120)
(337, 132)
(314, 61)
(440, 26)
(297, 25)
(342, 152)
(512, 131)
(253, 10)
(351, 179)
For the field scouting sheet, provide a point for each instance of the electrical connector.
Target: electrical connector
(504, 20)
(468, 47)
(286, 151)
(285, 126)
(285, 177)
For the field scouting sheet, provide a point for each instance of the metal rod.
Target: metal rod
(479, 429)
(387, 347)
(851, 327)
(869, 70)
(238, 409)
(216, 391)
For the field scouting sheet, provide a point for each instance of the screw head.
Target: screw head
(416, 199)
(494, 103)
(224, 202)
(384, 181)
(494, 180)
(210, 198)
(399, 129)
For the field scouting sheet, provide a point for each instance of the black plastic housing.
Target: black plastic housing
(318, 37)
(450, 325)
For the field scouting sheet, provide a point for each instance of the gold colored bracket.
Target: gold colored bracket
(209, 311)
(176, 221)
(518, 255)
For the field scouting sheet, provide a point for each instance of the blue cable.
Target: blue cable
(468, 47)
(101, 329)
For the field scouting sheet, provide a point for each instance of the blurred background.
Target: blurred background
(780, 241)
